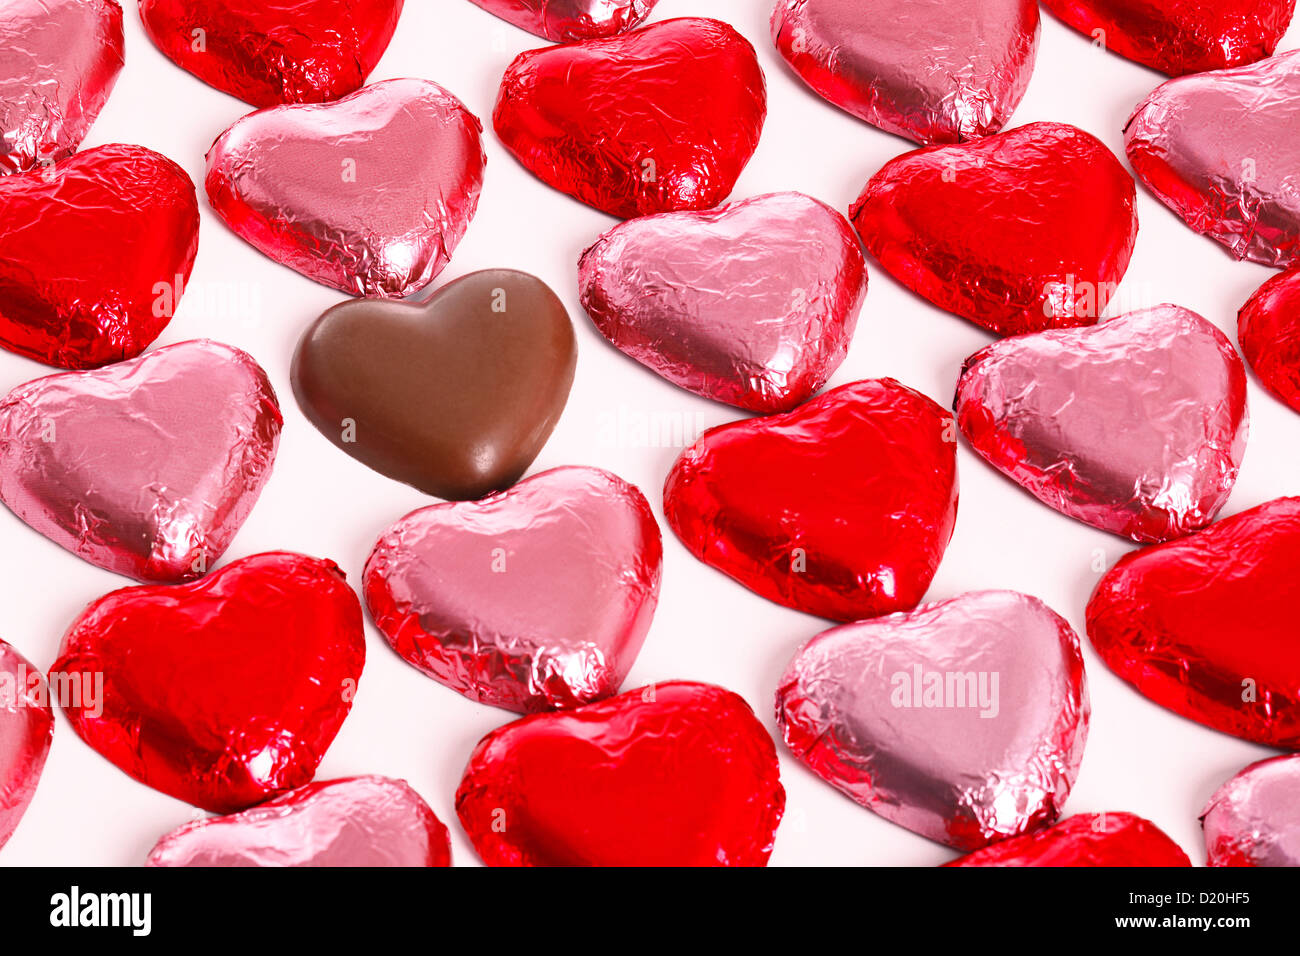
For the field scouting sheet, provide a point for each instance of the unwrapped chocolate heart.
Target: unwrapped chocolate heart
(369, 195)
(1254, 819)
(1268, 331)
(963, 721)
(565, 20)
(26, 729)
(1088, 839)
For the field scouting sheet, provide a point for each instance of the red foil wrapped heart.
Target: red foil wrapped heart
(1254, 818)
(659, 119)
(566, 20)
(224, 692)
(26, 729)
(857, 529)
(1026, 230)
(1180, 36)
(274, 51)
(94, 255)
(59, 60)
(356, 821)
(674, 774)
(1268, 330)
(1205, 625)
(1087, 839)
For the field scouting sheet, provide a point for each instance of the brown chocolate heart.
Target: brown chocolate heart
(456, 395)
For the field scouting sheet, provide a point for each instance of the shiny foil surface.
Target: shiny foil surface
(753, 303)
(224, 692)
(356, 821)
(534, 598)
(369, 195)
(1086, 839)
(1018, 232)
(95, 252)
(855, 529)
(933, 71)
(566, 20)
(1254, 818)
(1268, 331)
(660, 119)
(268, 52)
(1221, 150)
(147, 467)
(1136, 426)
(26, 729)
(963, 721)
(1205, 625)
(59, 60)
(673, 774)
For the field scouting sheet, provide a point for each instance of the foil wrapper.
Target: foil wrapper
(1088, 839)
(369, 195)
(1205, 625)
(95, 252)
(148, 467)
(566, 20)
(673, 774)
(660, 119)
(1254, 818)
(59, 60)
(933, 71)
(535, 598)
(1221, 149)
(1018, 232)
(26, 729)
(963, 721)
(356, 821)
(1268, 331)
(753, 303)
(857, 529)
(224, 692)
(1136, 426)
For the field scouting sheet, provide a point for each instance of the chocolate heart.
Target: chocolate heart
(659, 119)
(224, 692)
(95, 252)
(1205, 625)
(934, 76)
(1088, 839)
(369, 195)
(675, 774)
(565, 20)
(455, 396)
(1221, 149)
(963, 721)
(1022, 231)
(59, 60)
(753, 303)
(148, 467)
(855, 530)
(1253, 819)
(274, 51)
(1135, 426)
(356, 821)
(1268, 330)
(1181, 36)
(535, 598)
(26, 729)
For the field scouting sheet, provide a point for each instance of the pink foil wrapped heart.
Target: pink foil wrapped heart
(148, 467)
(369, 195)
(1254, 818)
(26, 728)
(536, 598)
(963, 721)
(565, 20)
(753, 303)
(1136, 426)
(934, 71)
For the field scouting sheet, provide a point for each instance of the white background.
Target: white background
(1139, 758)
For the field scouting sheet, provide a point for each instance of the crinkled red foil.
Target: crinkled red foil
(1087, 839)
(1268, 330)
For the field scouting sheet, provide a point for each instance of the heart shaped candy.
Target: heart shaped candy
(369, 195)
(1221, 150)
(1268, 331)
(840, 508)
(1136, 426)
(935, 73)
(1026, 230)
(565, 20)
(59, 60)
(1205, 625)
(1087, 839)
(1254, 819)
(148, 467)
(753, 303)
(356, 821)
(675, 774)
(26, 728)
(963, 721)
(535, 598)
(659, 119)
(274, 51)
(94, 254)
(223, 692)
